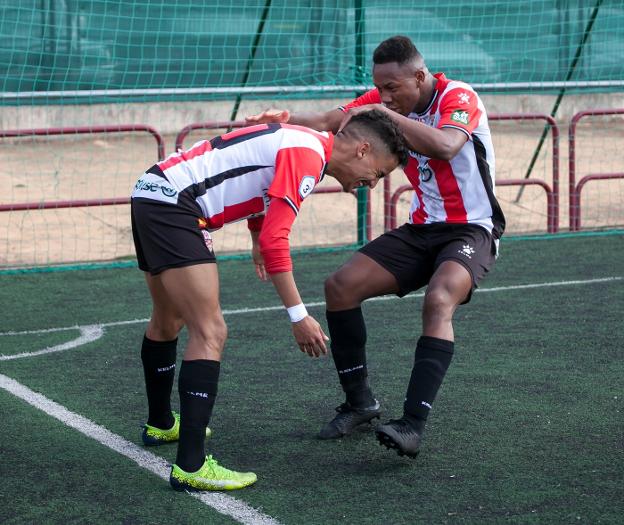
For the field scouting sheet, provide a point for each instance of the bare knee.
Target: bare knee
(167, 329)
(339, 293)
(438, 304)
(206, 340)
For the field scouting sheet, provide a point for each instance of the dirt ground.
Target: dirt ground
(107, 166)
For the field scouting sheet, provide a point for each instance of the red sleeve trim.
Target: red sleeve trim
(459, 108)
(370, 97)
(297, 171)
(274, 245)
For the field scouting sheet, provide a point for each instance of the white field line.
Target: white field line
(88, 334)
(222, 503)
(322, 303)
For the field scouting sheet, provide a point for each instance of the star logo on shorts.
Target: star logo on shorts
(467, 251)
(464, 98)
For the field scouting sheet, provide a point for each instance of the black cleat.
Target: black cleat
(347, 419)
(400, 435)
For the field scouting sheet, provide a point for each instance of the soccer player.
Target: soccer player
(448, 245)
(260, 173)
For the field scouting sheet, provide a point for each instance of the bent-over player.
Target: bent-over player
(260, 173)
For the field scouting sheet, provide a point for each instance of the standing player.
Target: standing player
(260, 173)
(449, 243)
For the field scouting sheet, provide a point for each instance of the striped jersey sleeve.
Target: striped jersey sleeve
(370, 97)
(459, 109)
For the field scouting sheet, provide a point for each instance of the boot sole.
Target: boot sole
(388, 442)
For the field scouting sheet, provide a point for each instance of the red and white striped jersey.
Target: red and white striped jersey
(233, 177)
(237, 175)
(460, 190)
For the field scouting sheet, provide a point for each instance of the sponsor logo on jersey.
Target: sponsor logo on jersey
(426, 173)
(150, 186)
(466, 251)
(306, 186)
(460, 116)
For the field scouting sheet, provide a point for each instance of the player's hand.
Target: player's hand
(280, 116)
(356, 111)
(258, 261)
(310, 337)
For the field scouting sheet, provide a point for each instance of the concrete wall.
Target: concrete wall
(169, 117)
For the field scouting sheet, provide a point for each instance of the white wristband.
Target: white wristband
(297, 312)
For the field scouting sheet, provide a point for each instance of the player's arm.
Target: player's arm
(436, 143)
(255, 226)
(328, 121)
(275, 250)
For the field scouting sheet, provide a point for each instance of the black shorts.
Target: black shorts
(413, 252)
(169, 235)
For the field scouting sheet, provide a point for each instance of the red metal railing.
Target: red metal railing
(573, 188)
(552, 194)
(130, 128)
(550, 198)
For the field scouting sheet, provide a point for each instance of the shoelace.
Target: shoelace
(212, 464)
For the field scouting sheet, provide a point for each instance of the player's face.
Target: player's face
(366, 168)
(399, 85)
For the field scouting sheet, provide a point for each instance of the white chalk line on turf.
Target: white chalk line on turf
(222, 503)
(88, 334)
(322, 303)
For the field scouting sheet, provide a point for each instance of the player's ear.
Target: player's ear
(419, 74)
(363, 149)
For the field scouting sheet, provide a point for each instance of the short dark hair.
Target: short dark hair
(399, 49)
(384, 129)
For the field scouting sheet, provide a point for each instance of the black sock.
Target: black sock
(197, 385)
(431, 361)
(159, 361)
(348, 344)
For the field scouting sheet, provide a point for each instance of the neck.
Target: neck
(427, 92)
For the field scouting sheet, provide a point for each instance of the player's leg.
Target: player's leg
(158, 350)
(360, 278)
(158, 355)
(449, 286)
(452, 284)
(193, 291)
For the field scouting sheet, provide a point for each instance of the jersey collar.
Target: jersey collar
(441, 83)
(329, 148)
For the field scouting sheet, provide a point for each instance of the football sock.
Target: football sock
(431, 361)
(348, 344)
(197, 384)
(159, 361)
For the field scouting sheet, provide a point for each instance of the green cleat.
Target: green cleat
(211, 476)
(153, 436)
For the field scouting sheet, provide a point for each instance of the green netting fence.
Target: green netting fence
(70, 64)
(71, 45)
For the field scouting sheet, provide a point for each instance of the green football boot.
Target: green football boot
(153, 436)
(211, 476)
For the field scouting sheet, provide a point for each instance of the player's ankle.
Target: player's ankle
(360, 398)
